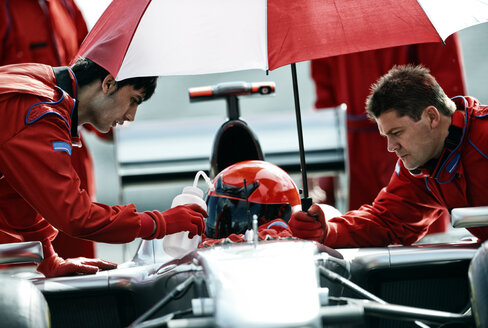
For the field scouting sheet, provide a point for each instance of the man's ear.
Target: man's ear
(433, 115)
(108, 84)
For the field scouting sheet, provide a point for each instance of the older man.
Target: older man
(442, 146)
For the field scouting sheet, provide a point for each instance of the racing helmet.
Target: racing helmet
(245, 189)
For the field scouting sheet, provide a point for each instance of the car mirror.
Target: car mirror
(25, 252)
(467, 217)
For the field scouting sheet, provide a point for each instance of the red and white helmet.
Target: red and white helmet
(247, 188)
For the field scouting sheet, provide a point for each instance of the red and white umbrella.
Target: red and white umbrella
(185, 37)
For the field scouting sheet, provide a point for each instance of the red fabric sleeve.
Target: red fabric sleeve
(27, 226)
(400, 214)
(78, 19)
(325, 83)
(45, 178)
(147, 225)
(47, 248)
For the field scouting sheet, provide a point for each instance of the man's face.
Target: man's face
(116, 106)
(415, 143)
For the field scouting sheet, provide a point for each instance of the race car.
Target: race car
(273, 283)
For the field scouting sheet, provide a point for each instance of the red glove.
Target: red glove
(55, 266)
(180, 218)
(309, 225)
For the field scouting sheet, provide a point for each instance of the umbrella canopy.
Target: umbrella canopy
(185, 37)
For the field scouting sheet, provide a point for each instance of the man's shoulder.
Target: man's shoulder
(60, 107)
(33, 79)
(476, 140)
(479, 121)
(481, 112)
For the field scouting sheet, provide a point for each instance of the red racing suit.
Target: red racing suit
(40, 31)
(347, 79)
(49, 32)
(39, 187)
(404, 209)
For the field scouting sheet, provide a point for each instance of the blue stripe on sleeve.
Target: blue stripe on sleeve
(62, 146)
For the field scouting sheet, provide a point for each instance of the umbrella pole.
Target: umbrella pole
(306, 201)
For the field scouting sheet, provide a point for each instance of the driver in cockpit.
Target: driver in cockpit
(247, 190)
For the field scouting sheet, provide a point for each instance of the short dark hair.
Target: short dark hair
(87, 71)
(408, 90)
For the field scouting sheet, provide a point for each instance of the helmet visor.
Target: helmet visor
(230, 215)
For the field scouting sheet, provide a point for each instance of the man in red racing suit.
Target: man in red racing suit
(346, 79)
(50, 32)
(403, 210)
(39, 189)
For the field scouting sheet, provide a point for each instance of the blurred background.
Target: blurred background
(171, 102)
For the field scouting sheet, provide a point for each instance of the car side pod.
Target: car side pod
(22, 305)
(468, 217)
(478, 280)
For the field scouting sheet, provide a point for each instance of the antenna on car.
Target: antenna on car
(252, 226)
(248, 212)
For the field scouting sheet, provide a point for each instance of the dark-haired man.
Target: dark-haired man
(50, 32)
(40, 109)
(442, 146)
